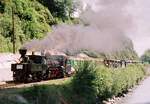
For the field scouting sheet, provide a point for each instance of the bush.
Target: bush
(93, 81)
(83, 83)
(104, 82)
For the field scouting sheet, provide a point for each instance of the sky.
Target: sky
(140, 12)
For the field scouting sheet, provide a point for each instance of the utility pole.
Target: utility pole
(13, 31)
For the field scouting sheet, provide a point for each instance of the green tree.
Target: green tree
(32, 20)
(60, 8)
(146, 56)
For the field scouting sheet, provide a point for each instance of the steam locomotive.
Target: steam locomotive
(38, 67)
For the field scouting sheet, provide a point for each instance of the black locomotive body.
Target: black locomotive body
(37, 67)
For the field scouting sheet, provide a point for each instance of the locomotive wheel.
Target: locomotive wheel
(19, 76)
(36, 76)
(39, 76)
(16, 76)
(46, 75)
(60, 74)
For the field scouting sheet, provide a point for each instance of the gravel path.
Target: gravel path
(139, 95)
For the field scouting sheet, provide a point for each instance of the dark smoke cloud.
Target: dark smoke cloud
(105, 30)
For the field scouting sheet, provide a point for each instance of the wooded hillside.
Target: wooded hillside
(32, 19)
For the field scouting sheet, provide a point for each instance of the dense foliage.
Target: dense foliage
(107, 82)
(83, 83)
(32, 19)
(146, 56)
(61, 9)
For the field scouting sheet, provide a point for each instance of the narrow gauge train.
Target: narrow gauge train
(119, 63)
(37, 67)
(115, 63)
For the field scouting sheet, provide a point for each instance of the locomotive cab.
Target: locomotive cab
(56, 65)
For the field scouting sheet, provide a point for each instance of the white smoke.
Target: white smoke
(107, 23)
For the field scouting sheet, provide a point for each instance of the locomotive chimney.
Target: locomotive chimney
(33, 53)
(23, 52)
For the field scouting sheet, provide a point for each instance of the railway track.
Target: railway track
(9, 84)
(12, 84)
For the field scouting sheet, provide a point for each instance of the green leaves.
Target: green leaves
(1, 6)
(104, 82)
(32, 20)
(146, 56)
(93, 81)
(59, 8)
(5, 44)
(5, 26)
(83, 83)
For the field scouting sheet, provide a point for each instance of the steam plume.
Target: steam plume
(106, 26)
